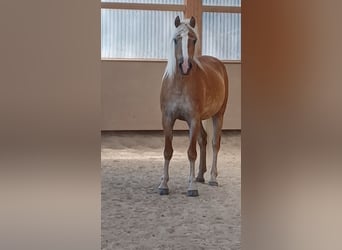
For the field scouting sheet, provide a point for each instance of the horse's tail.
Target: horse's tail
(209, 129)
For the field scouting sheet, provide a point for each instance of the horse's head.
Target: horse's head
(185, 41)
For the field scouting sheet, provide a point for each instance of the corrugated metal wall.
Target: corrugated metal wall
(222, 2)
(222, 35)
(136, 33)
(146, 34)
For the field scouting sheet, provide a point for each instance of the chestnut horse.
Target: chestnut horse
(194, 88)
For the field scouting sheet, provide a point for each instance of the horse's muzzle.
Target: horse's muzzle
(185, 67)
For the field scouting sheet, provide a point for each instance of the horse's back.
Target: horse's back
(211, 63)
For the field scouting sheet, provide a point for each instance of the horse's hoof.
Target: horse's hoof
(192, 193)
(213, 183)
(200, 179)
(163, 191)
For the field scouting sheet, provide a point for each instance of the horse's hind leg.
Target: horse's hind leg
(217, 125)
(168, 151)
(202, 141)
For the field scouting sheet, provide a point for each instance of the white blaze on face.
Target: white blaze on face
(185, 64)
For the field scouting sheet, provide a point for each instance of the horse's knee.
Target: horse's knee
(202, 141)
(217, 144)
(192, 154)
(168, 153)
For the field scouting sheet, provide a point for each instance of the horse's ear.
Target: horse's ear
(192, 22)
(177, 21)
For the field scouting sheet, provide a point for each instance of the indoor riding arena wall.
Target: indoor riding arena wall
(130, 96)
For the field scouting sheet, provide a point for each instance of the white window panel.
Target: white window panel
(136, 33)
(235, 3)
(222, 35)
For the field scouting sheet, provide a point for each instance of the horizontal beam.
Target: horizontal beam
(152, 60)
(167, 7)
(143, 6)
(223, 9)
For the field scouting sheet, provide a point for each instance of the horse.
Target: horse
(194, 89)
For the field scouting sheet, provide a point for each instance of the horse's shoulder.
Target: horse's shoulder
(210, 64)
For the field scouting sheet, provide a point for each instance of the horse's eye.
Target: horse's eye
(175, 40)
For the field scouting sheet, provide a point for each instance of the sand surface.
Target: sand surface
(135, 216)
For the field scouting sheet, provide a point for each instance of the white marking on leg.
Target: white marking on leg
(213, 172)
(165, 177)
(192, 179)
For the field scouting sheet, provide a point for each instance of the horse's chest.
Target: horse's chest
(179, 106)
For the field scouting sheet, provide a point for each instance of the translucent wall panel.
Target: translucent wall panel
(222, 2)
(136, 33)
(222, 35)
(145, 1)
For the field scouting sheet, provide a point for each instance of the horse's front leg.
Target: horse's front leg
(168, 151)
(192, 155)
(202, 141)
